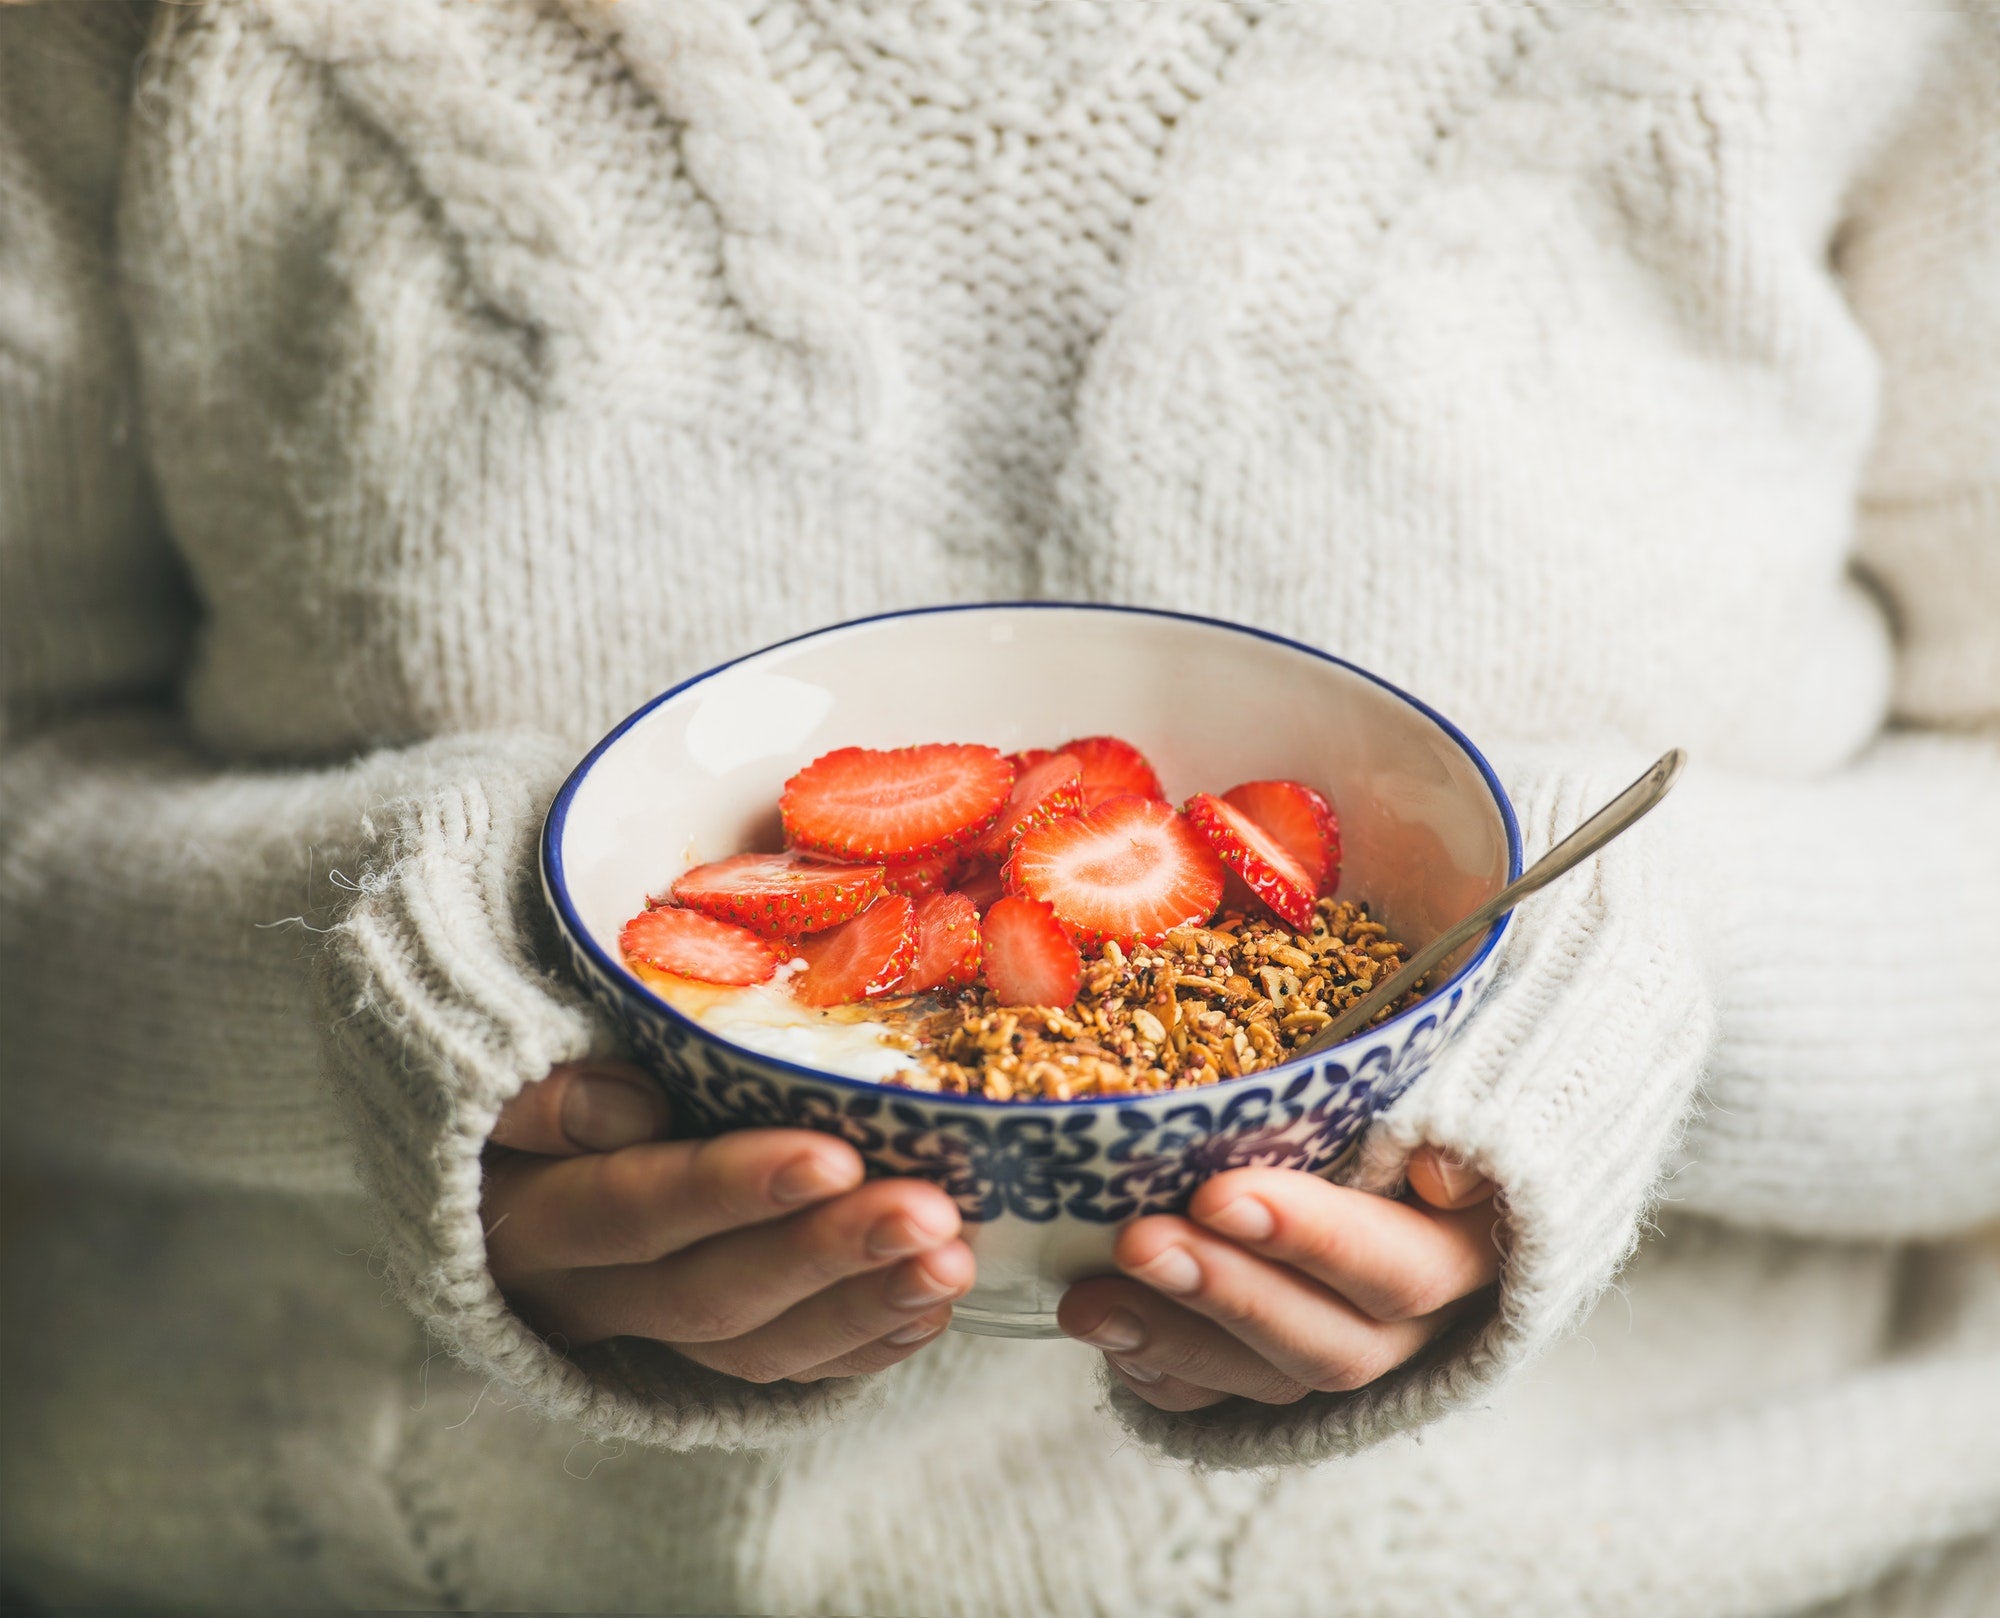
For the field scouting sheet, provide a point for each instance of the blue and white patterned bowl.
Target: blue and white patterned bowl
(1427, 833)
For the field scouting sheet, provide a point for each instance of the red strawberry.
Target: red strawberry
(1111, 769)
(1298, 817)
(906, 803)
(947, 944)
(780, 895)
(919, 877)
(1030, 960)
(1048, 790)
(691, 945)
(860, 958)
(1131, 869)
(1270, 869)
(1029, 757)
(981, 882)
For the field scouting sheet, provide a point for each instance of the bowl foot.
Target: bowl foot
(1000, 1323)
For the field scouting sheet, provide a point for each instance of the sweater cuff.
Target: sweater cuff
(1568, 1089)
(438, 1005)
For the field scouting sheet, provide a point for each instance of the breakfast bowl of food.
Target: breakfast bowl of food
(1040, 902)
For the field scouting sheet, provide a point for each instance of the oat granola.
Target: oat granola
(1215, 1002)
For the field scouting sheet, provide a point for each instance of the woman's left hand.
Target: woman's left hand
(1278, 1284)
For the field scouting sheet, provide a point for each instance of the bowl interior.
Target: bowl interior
(696, 776)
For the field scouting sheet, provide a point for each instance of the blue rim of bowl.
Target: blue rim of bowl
(556, 890)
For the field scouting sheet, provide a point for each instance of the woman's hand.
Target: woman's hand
(760, 1254)
(1278, 1284)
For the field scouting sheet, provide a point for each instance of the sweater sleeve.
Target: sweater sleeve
(223, 973)
(1778, 1002)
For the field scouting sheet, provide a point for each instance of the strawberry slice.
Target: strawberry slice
(1267, 867)
(905, 803)
(1029, 757)
(919, 877)
(1298, 817)
(1030, 960)
(780, 895)
(1112, 768)
(860, 958)
(947, 944)
(1131, 869)
(982, 883)
(1048, 790)
(692, 945)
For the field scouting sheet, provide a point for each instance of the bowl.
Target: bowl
(1427, 833)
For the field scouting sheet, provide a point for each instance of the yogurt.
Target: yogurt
(766, 1019)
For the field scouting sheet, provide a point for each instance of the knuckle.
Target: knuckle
(701, 1318)
(757, 1366)
(1230, 1306)
(1410, 1297)
(629, 1186)
(1348, 1372)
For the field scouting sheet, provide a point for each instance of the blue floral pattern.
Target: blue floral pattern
(1102, 1163)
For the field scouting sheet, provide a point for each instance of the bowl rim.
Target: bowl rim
(555, 889)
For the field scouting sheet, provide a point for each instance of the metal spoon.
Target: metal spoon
(1620, 813)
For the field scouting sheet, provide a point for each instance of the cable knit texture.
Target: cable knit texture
(439, 1011)
(393, 393)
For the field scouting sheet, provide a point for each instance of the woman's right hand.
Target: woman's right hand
(759, 1254)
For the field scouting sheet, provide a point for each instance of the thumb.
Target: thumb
(592, 1106)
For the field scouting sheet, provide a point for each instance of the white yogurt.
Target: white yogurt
(765, 1018)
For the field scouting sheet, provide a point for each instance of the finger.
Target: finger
(1390, 1260)
(1160, 1391)
(1289, 1323)
(1445, 1181)
(1153, 1343)
(848, 1320)
(734, 1283)
(639, 1204)
(893, 1349)
(595, 1106)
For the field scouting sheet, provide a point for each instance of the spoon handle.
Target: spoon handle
(1616, 816)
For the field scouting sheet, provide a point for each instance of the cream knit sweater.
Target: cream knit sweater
(394, 392)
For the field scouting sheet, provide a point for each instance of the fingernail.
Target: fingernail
(915, 1288)
(1138, 1373)
(809, 1178)
(1173, 1271)
(1246, 1219)
(900, 1235)
(601, 1113)
(1121, 1330)
(915, 1332)
(1456, 1177)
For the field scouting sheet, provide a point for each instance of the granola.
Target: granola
(1208, 1003)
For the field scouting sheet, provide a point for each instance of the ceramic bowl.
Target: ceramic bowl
(1426, 829)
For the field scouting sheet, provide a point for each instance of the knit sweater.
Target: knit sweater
(395, 392)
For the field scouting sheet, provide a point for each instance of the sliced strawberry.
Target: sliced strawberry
(919, 877)
(1030, 960)
(1029, 757)
(905, 803)
(1298, 817)
(860, 958)
(1131, 869)
(982, 883)
(691, 945)
(1048, 790)
(1111, 769)
(947, 944)
(780, 895)
(1265, 864)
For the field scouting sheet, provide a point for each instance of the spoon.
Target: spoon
(1620, 813)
